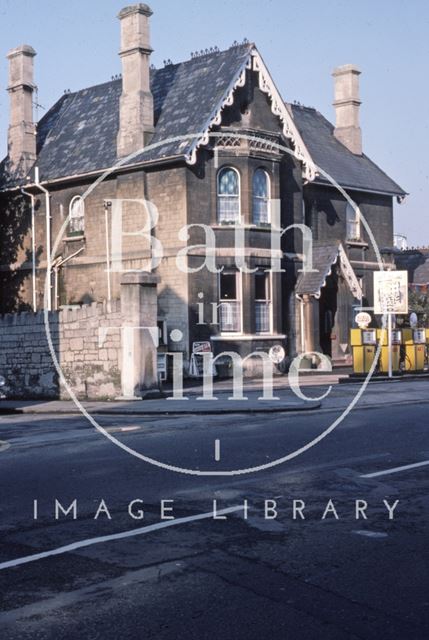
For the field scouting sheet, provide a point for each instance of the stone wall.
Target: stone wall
(87, 344)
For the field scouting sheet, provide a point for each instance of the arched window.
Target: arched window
(352, 222)
(228, 196)
(261, 197)
(77, 216)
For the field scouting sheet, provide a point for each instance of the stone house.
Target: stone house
(208, 141)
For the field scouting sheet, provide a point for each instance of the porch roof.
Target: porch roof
(311, 282)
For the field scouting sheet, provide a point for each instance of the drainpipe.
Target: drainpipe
(33, 246)
(48, 234)
(56, 266)
(107, 206)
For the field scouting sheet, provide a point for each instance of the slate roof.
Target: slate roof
(348, 169)
(324, 256)
(78, 134)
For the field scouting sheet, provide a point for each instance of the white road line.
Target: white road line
(114, 536)
(217, 450)
(4, 445)
(396, 469)
(370, 534)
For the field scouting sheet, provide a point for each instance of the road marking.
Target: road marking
(396, 469)
(114, 536)
(370, 534)
(122, 429)
(4, 445)
(217, 450)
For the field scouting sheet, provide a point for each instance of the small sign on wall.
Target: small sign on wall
(162, 366)
(203, 346)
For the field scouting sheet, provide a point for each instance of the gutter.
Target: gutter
(400, 196)
(100, 172)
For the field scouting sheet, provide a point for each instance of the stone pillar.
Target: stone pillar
(22, 131)
(136, 116)
(347, 104)
(309, 337)
(311, 324)
(139, 306)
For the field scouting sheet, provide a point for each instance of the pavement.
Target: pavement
(336, 396)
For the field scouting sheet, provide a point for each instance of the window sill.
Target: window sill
(239, 225)
(74, 238)
(261, 227)
(356, 243)
(248, 336)
(227, 225)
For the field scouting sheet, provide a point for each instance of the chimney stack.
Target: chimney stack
(136, 123)
(22, 130)
(347, 103)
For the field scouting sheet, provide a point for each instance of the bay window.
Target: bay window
(262, 301)
(261, 197)
(228, 196)
(230, 301)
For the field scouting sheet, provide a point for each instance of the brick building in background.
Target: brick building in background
(209, 176)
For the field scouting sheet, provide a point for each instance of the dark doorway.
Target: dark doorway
(327, 311)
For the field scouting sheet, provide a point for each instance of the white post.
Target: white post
(389, 341)
(106, 223)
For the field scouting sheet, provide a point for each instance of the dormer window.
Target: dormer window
(228, 196)
(76, 216)
(353, 222)
(261, 197)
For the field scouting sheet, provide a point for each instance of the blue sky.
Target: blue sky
(301, 42)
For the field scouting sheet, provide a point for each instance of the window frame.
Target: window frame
(356, 222)
(220, 195)
(268, 300)
(267, 197)
(238, 298)
(78, 232)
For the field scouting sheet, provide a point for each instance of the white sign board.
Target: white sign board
(363, 319)
(390, 292)
(201, 347)
(162, 365)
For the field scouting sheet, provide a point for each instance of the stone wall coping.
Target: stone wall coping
(141, 277)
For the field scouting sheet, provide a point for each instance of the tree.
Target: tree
(418, 301)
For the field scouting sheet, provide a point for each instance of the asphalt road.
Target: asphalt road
(228, 579)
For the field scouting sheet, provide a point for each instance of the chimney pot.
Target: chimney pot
(347, 103)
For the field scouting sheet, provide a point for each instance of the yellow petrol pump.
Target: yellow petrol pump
(396, 349)
(415, 349)
(364, 345)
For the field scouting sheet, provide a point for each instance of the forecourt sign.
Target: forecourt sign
(390, 298)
